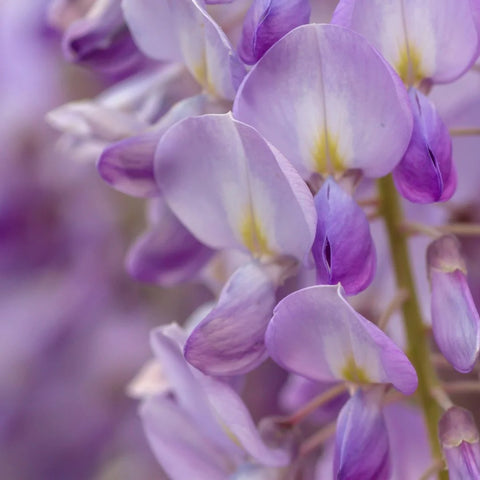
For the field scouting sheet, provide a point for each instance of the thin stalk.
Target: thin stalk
(418, 349)
(312, 405)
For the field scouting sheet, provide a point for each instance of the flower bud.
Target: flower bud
(460, 442)
(455, 320)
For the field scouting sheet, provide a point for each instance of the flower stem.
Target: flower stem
(418, 349)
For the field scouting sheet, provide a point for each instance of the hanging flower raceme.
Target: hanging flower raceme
(455, 319)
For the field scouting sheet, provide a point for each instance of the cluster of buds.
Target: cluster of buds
(272, 150)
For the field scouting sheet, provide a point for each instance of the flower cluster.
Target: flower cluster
(276, 155)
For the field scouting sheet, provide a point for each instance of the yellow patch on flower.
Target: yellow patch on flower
(201, 73)
(253, 235)
(326, 155)
(351, 372)
(409, 66)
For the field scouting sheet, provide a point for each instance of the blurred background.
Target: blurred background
(73, 326)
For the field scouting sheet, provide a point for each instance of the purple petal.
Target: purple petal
(248, 196)
(426, 172)
(230, 340)
(182, 448)
(128, 165)
(206, 49)
(167, 343)
(167, 253)
(314, 332)
(266, 22)
(455, 319)
(361, 443)
(212, 405)
(326, 99)
(236, 418)
(432, 39)
(150, 22)
(409, 443)
(460, 441)
(343, 248)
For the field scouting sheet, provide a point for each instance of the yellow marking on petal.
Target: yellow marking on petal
(201, 72)
(326, 154)
(353, 373)
(409, 66)
(253, 235)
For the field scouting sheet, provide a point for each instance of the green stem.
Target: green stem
(418, 348)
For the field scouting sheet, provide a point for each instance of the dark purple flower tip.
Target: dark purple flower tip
(266, 22)
(102, 40)
(460, 441)
(230, 339)
(343, 248)
(128, 165)
(455, 319)
(361, 442)
(426, 172)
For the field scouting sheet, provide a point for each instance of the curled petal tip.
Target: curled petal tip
(266, 22)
